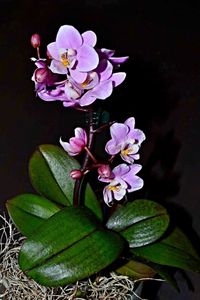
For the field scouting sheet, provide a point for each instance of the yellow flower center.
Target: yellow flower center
(86, 82)
(113, 188)
(64, 59)
(126, 151)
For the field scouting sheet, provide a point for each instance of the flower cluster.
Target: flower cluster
(75, 72)
(126, 141)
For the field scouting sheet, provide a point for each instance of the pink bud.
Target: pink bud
(76, 174)
(104, 171)
(41, 74)
(35, 40)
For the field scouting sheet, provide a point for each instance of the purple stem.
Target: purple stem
(77, 186)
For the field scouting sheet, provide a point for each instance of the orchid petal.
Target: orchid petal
(77, 144)
(79, 77)
(100, 91)
(134, 182)
(44, 95)
(130, 122)
(137, 135)
(87, 99)
(68, 148)
(87, 59)
(130, 158)
(93, 80)
(53, 50)
(119, 195)
(104, 69)
(104, 179)
(41, 63)
(70, 103)
(107, 52)
(71, 92)
(112, 147)
(129, 177)
(135, 168)
(52, 95)
(137, 184)
(118, 60)
(121, 170)
(103, 90)
(107, 195)
(57, 67)
(119, 132)
(68, 37)
(135, 156)
(118, 78)
(81, 134)
(90, 38)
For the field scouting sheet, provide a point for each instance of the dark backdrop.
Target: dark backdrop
(162, 91)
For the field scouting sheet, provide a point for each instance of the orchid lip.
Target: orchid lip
(113, 188)
(127, 151)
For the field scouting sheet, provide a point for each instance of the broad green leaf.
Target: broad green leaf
(49, 170)
(69, 246)
(140, 222)
(136, 270)
(175, 250)
(29, 211)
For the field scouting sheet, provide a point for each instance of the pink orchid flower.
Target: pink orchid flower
(77, 143)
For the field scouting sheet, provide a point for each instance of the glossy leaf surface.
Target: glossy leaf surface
(140, 222)
(28, 211)
(49, 170)
(69, 246)
(175, 250)
(136, 270)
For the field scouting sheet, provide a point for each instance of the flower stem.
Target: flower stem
(78, 183)
(103, 127)
(91, 155)
(38, 52)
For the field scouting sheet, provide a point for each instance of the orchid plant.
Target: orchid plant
(71, 231)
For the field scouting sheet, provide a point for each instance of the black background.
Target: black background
(162, 91)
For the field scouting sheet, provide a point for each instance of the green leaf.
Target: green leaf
(69, 246)
(49, 170)
(175, 250)
(29, 211)
(140, 222)
(143, 269)
(136, 270)
(166, 273)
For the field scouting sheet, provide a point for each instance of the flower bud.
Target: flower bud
(76, 174)
(41, 75)
(104, 171)
(35, 40)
